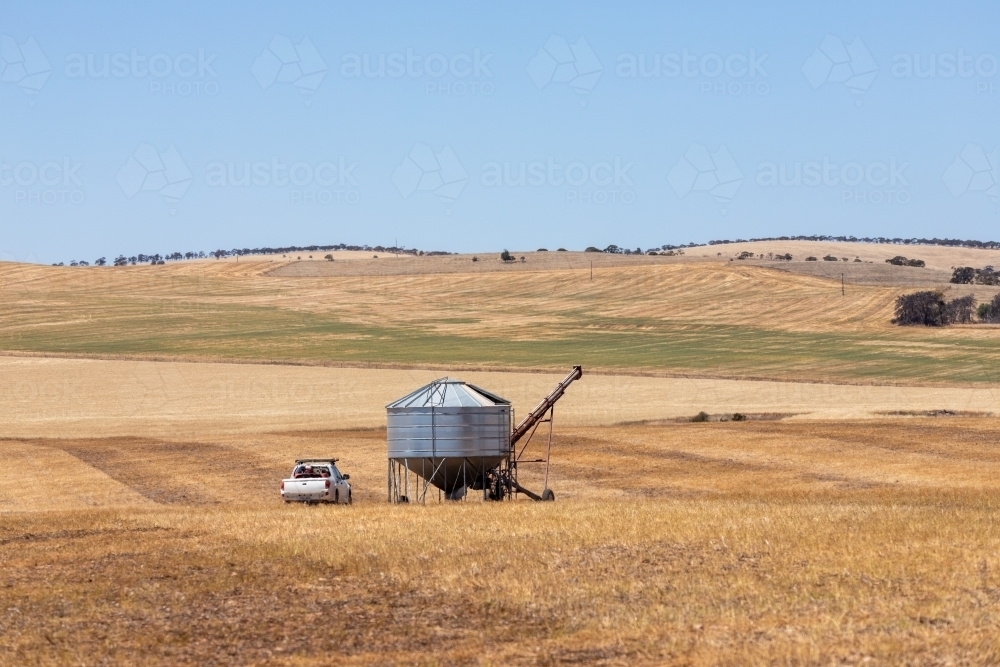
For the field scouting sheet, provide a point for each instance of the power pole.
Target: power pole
(842, 292)
(591, 271)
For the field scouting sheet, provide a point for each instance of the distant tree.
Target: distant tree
(899, 260)
(542, 250)
(613, 250)
(960, 310)
(963, 275)
(591, 248)
(100, 261)
(560, 249)
(121, 260)
(830, 258)
(921, 308)
(989, 312)
(505, 256)
(811, 259)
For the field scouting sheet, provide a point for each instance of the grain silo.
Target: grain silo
(456, 436)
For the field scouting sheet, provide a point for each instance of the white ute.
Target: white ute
(316, 481)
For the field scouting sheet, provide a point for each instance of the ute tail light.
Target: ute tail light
(282, 486)
(328, 484)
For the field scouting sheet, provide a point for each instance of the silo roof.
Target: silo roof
(448, 393)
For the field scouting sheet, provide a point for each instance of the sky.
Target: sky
(150, 128)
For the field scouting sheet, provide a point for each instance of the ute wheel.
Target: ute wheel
(403, 499)
(548, 496)
(350, 498)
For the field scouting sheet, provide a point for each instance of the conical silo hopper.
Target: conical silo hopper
(450, 434)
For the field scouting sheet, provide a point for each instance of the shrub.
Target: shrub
(811, 259)
(700, 417)
(830, 258)
(505, 256)
(328, 258)
(739, 417)
(542, 250)
(592, 249)
(787, 257)
(475, 259)
(560, 249)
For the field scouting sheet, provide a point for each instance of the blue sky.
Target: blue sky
(123, 126)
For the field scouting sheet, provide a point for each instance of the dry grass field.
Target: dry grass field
(147, 415)
(721, 543)
(686, 316)
(64, 398)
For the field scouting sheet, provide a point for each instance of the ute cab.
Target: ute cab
(316, 481)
